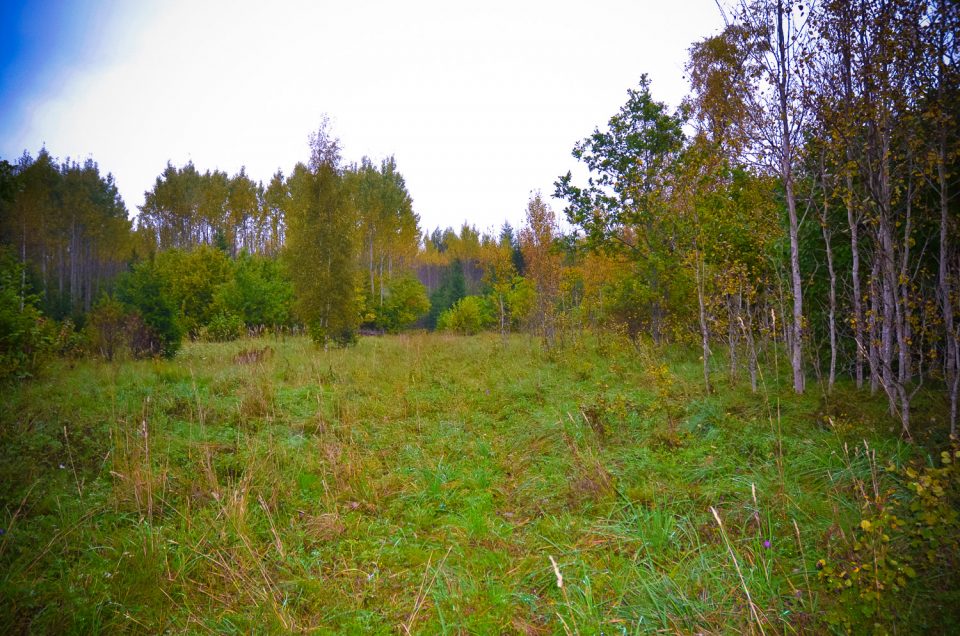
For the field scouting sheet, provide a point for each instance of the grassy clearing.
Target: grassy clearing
(428, 484)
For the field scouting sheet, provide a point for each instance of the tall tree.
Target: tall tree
(537, 241)
(779, 39)
(623, 207)
(321, 244)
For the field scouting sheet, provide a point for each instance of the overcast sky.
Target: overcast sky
(480, 103)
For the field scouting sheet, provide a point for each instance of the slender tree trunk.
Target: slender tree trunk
(858, 325)
(732, 337)
(751, 346)
(888, 298)
(832, 317)
(846, 36)
(90, 276)
(873, 355)
(381, 280)
(74, 252)
(833, 308)
(796, 344)
(786, 169)
(904, 362)
(704, 327)
(887, 273)
(946, 298)
(60, 271)
(371, 266)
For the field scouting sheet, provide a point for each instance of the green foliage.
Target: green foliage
(186, 209)
(191, 280)
(210, 293)
(469, 316)
(629, 303)
(143, 290)
(387, 224)
(223, 327)
(24, 337)
(452, 288)
(520, 300)
(322, 246)
(67, 222)
(628, 206)
(110, 328)
(631, 161)
(259, 292)
(909, 534)
(406, 302)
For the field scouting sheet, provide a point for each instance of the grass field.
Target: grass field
(424, 484)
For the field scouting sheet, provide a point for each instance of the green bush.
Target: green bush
(223, 327)
(259, 293)
(469, 316)
(25, 336)
(107, 329)
(406, 301)
(453, 287)
(69, 341)
(116, 330)
(190, 280)
(142, 290)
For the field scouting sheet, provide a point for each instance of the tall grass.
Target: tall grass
(420, 484)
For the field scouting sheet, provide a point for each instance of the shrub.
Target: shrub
(406, 301)
(259, 292)
(190, 280)
(25, 337)
(142, 290)
(469, 316)
(108, 329)
(222, 328)
(69, 342)
(115, 330)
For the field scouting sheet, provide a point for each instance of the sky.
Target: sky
(480, 103)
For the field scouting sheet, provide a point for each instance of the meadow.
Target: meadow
(435, 484)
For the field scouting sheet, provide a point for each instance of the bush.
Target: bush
(190, 280)
(69, 341)
(406, 301)
(25, 337)
(469, 316)
(141, 290)
(107, 331)
(114, 331)
(223, 327)
(259, 293)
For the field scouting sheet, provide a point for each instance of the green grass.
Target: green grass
(421, 484)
